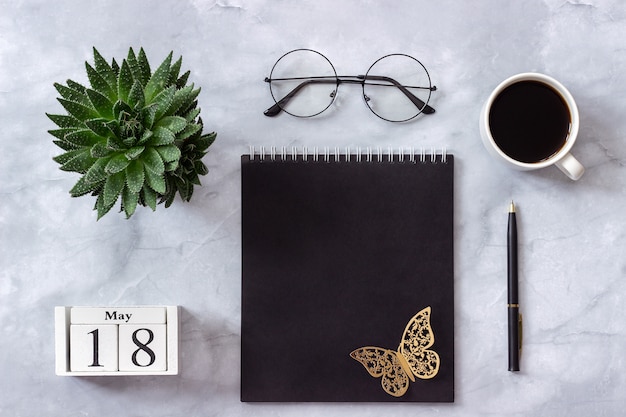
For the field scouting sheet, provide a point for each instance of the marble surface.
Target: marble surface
(572, 234)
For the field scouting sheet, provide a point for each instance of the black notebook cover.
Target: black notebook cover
(339, 255)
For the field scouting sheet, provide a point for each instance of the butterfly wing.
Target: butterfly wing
(417, 338)
(383, 363)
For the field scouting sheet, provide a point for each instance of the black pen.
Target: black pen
(515, 318)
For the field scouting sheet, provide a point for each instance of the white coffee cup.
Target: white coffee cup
(562, 157)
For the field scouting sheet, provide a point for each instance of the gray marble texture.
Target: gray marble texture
(572, 234)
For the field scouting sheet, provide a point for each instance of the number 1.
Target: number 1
(96, 345)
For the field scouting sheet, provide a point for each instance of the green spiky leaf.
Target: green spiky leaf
(66, 146)
(65, 121)
(60, 133)
(78, 110)
(149, 197)
(97, 172)
(83, 187)
(113, 188)
(124, 81)
(114, 140)
(104, 69)
(182, 100)
(169, 153)
(171, 166)
(148, 115)
(208, 139)
(136, 97)
(116, 164)
(131, 58)
(153, 161)
(172, 123)
(63, 158)
(134, 153)
(190, 130)
(192, 114)
(99, 127)
(158, 80)
(99, 84)
(200, 168)
(130, 141)
(155, 181)
(162, 136)
(101, 103)
(144, 66)
(100, 150)
(76, 86)
(163, 101)
(135, 176)
(185, 189)
(180, 83)
(81, 162)
(102, 207)
(174, 71)
(82, 137)
(129, 201)
(72, 94)
(145, 137)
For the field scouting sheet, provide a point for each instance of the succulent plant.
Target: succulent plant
(132, 134)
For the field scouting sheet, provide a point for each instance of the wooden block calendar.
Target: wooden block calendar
(138, 340)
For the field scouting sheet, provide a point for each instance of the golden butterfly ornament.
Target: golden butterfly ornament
(412, 359)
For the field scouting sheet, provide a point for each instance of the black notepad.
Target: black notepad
(347, 278)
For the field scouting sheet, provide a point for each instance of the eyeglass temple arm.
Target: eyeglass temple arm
(414, 99)
(277, 108)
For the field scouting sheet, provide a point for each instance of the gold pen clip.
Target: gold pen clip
(520, 327)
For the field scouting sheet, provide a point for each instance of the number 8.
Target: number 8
(143, 347)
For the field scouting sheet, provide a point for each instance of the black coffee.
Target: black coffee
(529, 121)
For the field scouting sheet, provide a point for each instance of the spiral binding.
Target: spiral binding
(349, 154)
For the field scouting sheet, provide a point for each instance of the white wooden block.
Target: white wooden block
(93, 348)
(62, 340)
(118, 315)
(173, 322)
(142, 347)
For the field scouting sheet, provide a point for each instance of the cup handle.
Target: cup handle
(570, 167)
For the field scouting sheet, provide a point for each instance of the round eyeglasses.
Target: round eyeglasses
(304, 83)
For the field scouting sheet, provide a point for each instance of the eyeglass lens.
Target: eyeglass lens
(304, 83)
(397, 88)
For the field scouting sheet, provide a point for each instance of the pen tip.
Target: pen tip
(512, 207)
